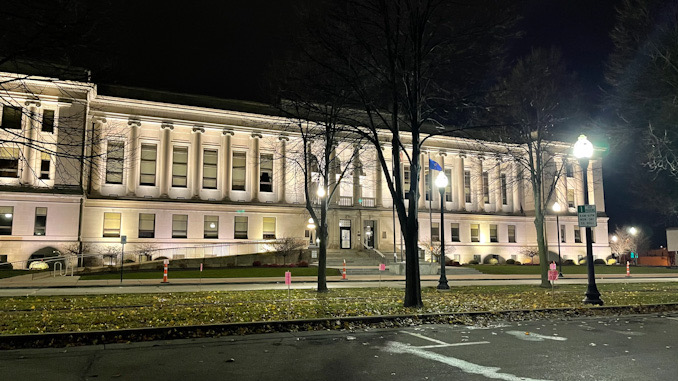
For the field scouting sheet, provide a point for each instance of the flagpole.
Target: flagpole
(430, 202)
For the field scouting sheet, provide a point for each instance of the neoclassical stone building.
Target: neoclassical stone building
(192, 176)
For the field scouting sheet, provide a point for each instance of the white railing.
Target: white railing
(375, 250)
(345, 201)
(368, 202)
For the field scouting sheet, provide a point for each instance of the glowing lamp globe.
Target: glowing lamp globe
(441, 180)
(556, 207)
(583, 149)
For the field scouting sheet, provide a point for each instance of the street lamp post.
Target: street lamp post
(441, 183)
(556, 210)
(583, 150)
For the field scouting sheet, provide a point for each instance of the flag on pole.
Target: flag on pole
(433, 165)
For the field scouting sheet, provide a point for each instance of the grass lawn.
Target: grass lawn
(232, 272)
(33, 314)
(581, 269)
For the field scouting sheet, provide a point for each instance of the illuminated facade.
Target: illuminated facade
(191, 176)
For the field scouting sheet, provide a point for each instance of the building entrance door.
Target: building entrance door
(345, 233)
(369, 232)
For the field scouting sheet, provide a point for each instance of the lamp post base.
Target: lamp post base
(443, 286)
(593, 298)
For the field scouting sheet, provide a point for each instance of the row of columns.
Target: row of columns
(30, 159)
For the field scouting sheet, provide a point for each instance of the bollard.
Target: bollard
(164, 275)
(628, 270)
(343, 274)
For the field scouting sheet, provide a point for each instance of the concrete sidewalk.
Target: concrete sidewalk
(28, 281)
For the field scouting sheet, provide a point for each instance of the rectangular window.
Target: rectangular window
(146, 225)
(11, 117)
(269, 227)
(467, 186)
(211, 227)
(562, 233)
(577, 234)
(475, 233)
(240, 227)
(435, 232)
(180, 167)
(179, 226)
(569, 171)
(494, 237)
(149, 155)
(504, 187)
(512, 233)
(209, 168)
(40, 226)
(111, 224)
(9, 162)
(6, 217)
(48, 121)
(570, 198)
(486, 187)
(115, 158)
(406, 181)
(238, 171)
(455, 232)
(45, 165)
(448, 188)
(266, 173)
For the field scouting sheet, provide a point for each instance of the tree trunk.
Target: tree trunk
(322, 250)
(541, 241)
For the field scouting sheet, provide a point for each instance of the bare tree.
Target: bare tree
(286, 246)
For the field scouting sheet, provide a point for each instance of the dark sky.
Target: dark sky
(225, 49)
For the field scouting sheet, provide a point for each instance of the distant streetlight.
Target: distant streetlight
(633, 230)
(583, 150)
(321, 192)
(556, 209)
(615, 238)
(441, 183)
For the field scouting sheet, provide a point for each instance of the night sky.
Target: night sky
(226, 49)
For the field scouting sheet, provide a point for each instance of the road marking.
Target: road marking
(425, 338)
(529, 336)
(452, 345)
(464, 366)
(672, 318)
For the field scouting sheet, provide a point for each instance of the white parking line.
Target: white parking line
(530, 336)
(425, 337)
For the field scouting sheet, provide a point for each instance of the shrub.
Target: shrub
(517, 263)
(292, 265)
(599, 261)
(302, 264)
(510, 261)
(129, 260)
(256, 264)
(473, 262)
(611, 262)
(161, 258)
(582, 261)
(6, 266)
(493, 261)
(568, 262)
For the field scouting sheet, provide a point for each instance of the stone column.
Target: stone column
(196, 176)
(132, 157)
(579, 185)
(30, 173)
(516, 184)
(282, 187)
(460, 180)
(98, 166)
(591, 184)
(357, 168)
(226, 164)
(166, 159)
(478, 169)
(378, 185)
(561, 186)
(256, 167)
(441, 161)
(498, 202)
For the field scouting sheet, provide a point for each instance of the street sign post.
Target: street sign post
(587, 216)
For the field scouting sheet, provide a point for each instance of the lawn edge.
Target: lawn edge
(69, 339)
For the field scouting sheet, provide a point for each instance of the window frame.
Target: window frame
(6, 223)
(240, 234)
(435, 231)
(209, 181)
(177, 231)
(40, 224)
(267, 234)
(476, 237)
(448, 188)
(143, 160)
(208, 231)
(109, 231)
(146, 233)
(51, 125)
(9, 124)
(486, 187)
(504, 189)
(494, 233)
(455, 237)
(467, 186)
(9, 161)
(177, 165)
(262, 172)
(511, 236)
(577, 234)
(240, 155)
(112, 160)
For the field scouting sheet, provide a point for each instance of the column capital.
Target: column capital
(198, 129)
(99, 119)
(134, 123)
(442, 153)
(284, 138)
(227, 131)
(33, 102)
(256, 135)
(167, 126)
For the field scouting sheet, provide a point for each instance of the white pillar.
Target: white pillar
(282, 177)
(166, 159)
(132, 157)
(591, 184)
(98, 166)
(579, 185)
(561, 186)
(357, 168)
(30, 174)
(226, 164)
(196, 176)
(461, 196)
(516, 184)
(498, 205)
(378, 188)
(478, 174)
(441, 161)
(256, 161)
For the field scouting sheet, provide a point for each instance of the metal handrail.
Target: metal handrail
(375, 250)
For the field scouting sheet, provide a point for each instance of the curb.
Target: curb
(68, 339)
